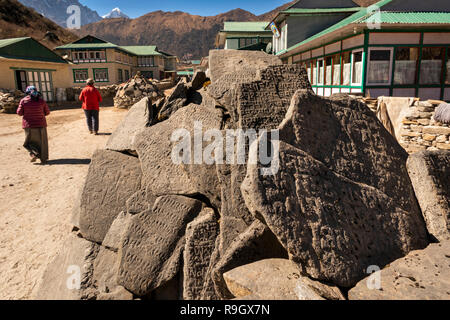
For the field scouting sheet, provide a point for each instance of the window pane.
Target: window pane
(328, 70)
(357, 67)
(336, 70)
(447, 80)
(431, 65)
(314, 73)
(406, 65)
(379, 66)
(346, 68)
(321, 72)
(308, 69)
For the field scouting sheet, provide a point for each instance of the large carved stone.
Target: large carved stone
(161, 175)
(277, 279)
(341, 199)
(421, 275)
(152, 247)
(201, 237)
(136, 120)
(223, 62)
(176, 100)
(69, 275)
(430, 175)
(112, 178)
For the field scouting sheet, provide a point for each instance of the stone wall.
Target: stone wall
(9, 100)
(421, 132)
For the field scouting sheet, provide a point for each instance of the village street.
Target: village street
(36, 201)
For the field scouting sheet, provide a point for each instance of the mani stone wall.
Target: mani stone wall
(421, 132)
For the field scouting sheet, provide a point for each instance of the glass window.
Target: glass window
(431, 65)
(406, 60)
(127, 75)
(379, 67)
(346, 69)
(314, 72)
(308, 70)
(120, 75)
(80, 75)
(357, 67)
(101, 75)
(336, 70)
(321, 71)
(328, 70)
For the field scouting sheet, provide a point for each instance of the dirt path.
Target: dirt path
(36, 201)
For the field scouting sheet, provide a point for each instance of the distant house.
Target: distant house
(394, 48)
(108, 63)
(24, 62)
(240, 35)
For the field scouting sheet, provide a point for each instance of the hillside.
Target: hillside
(56, 10)
(16, 20)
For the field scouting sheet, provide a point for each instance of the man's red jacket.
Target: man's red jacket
(91, 98)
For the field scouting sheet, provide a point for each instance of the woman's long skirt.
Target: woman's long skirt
(36, 142)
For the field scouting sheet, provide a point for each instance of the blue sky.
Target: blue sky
(136, 8)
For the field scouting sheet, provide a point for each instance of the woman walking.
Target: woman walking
(91, 99)
(34, 110)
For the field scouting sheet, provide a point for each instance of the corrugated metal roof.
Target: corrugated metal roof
(7, 42)
(351, 19)
(106, 45)
(407, 17)
(142, 50)
(320, 10)
(253, 26)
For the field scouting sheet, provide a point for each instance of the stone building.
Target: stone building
(108, 63)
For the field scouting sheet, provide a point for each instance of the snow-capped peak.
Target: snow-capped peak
(115, 13)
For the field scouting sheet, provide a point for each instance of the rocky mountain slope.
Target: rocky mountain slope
(180, 33)
(56, 10)
(16, 20)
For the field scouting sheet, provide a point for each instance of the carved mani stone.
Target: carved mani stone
(334, 227)
(341, 200)
(112, 178)
(137, 118)
(201, 236)
(151, 250)
(160, 174)
(430, 175)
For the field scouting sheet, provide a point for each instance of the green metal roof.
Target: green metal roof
(106, 45)
(142, 50)
(408, 17)
(344, 22)
(185, 73)
(27, 48)
(7, 42)
(253, 26)
(320, 10)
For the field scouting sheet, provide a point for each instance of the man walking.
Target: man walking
(91, 99)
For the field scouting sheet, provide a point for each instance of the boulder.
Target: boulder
(150, 254)
(421, 275)
(176, 100)
(430, 175)
(198, 80)
(164, 176)
(257, 242)
(138, 118)
(277, 279)
(341, 199)
(201, 237)
(69, 275)
(116, 232)
(112, 179)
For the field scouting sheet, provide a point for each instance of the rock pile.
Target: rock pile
(420, 130)
(9, 100)
(158, 219)
(135, 90)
